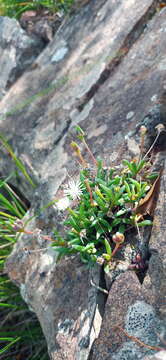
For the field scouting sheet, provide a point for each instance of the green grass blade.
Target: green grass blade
(17, 161)
(7, 347)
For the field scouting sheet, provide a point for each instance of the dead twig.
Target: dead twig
(99, 287)
(139, 342)
(89, 190)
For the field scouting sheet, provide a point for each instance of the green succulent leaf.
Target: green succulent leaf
(152, 176)
(128, 164)
(140, 165)
(137, 184)
(108, 247)
(72, 222)
(116, 222)
(106, 268)
(99, 201)
(121, 229)
(145, 223)
(107, 191)
(127, 187)
(121, 212)
(75, 241)
(133, 167)
(106, 257)
(79, 130)
(79, 248)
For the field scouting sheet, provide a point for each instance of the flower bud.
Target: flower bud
(18, 226)
(100, 260)
(143, 130)
(118, 238)
(160, 128)
(106, 257)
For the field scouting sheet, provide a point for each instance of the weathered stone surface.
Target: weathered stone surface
(154, 286)
(49, 99)
(17, 52)
(61, 295)
(142, 323)
(159, 356)
(103, 70)
(125, 307)
(136, 318)
(124, 292)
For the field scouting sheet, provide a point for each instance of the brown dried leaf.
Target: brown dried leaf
(148, 203)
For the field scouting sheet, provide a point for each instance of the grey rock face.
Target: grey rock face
(141, 322)
(158, 356)
(17, 51)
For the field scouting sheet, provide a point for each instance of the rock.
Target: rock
(124, 292)
(154, 287)
(18, 51)
(66, 304)
(125, 311)
(142, 323)
(46, 100)
(102, 70)
(159, 356)
(155, 122)
(40, 23)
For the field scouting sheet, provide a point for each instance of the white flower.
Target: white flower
(62, 204)
(73, 189)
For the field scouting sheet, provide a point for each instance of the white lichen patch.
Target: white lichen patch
(59, 54)
(130, 115)
(162, 30)
(154, 98)
(133, 147)
(47, 259)
(23, 292)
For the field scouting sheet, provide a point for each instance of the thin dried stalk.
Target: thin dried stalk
(139, 342)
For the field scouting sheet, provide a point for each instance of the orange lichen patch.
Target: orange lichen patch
(161, 5)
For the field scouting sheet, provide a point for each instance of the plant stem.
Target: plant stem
(90, 191)
(90, 152)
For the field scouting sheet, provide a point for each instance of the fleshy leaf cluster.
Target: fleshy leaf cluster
(105, 209)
